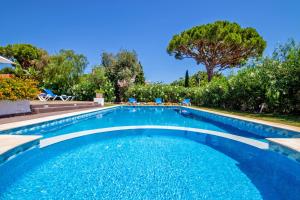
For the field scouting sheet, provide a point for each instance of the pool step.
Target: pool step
(45, 108)
(11, 145)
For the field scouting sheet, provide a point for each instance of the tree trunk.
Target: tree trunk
(117, 93)
(210, 73)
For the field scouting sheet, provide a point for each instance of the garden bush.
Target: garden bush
(89, 83)
(215, 93)
(18, 89)
(147, 93)
(269, 81)
(273, 81)
(246, 90)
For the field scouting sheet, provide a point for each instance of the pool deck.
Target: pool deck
(18, 121)
(13, 119)
(37, 102)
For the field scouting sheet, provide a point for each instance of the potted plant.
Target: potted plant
(99, 93)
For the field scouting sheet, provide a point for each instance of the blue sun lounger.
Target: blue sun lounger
(186, 102)
(132, 101)
(51, 95)
(158, 101)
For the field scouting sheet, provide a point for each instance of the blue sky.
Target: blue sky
(93, 26)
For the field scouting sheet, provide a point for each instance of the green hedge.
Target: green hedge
(18, 89)
(147, 93)
(273, 83)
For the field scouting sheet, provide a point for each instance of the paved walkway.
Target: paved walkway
(36, 102)
(36, 116)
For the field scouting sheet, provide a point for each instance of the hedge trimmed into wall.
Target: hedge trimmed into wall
(274, 84)
(18, 89)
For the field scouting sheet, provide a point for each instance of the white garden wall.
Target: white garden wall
(14, 107)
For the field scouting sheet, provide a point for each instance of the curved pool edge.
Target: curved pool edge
(261, 127)
(12, 145)
(20, 124)
(257, 165)
(252, 142)
(248, 119)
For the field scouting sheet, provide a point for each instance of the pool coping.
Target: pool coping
(12, 125)
(289, 147)
(290, 143)
(258, 121)
(60, 138)
(11, 145)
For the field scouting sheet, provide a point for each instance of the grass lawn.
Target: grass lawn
(109, 104)
(293, 120)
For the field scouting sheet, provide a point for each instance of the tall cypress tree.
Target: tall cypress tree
(140, 77)
(187, 79)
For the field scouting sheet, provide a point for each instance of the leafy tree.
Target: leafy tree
(100, 80)
(122, 70)
(30, 61)
(200, 78)
(64, 71)
(196, 80)
(219, 45)
(88, 83)
(26, 55)
(187, 79)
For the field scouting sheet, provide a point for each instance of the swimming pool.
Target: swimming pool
(152, 115)
(152, 152)
(150, 164)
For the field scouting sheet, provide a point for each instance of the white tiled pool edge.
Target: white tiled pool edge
(289, 147)
(60, 138)
(11, 145)
(272, 124)
(19, 124)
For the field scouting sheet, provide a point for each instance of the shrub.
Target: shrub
(215, 93)
(147, 93)
(18, 89)
(246, 90)
(270, 81)
(84, 90)
(88, 84)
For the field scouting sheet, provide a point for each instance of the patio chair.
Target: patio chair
(42, 97)
(51, 95)
(158, 101)
(132, 101)
(186, 102)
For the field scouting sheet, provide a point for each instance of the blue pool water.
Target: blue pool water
(135, 116)
(150, 164)
(129, 116)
